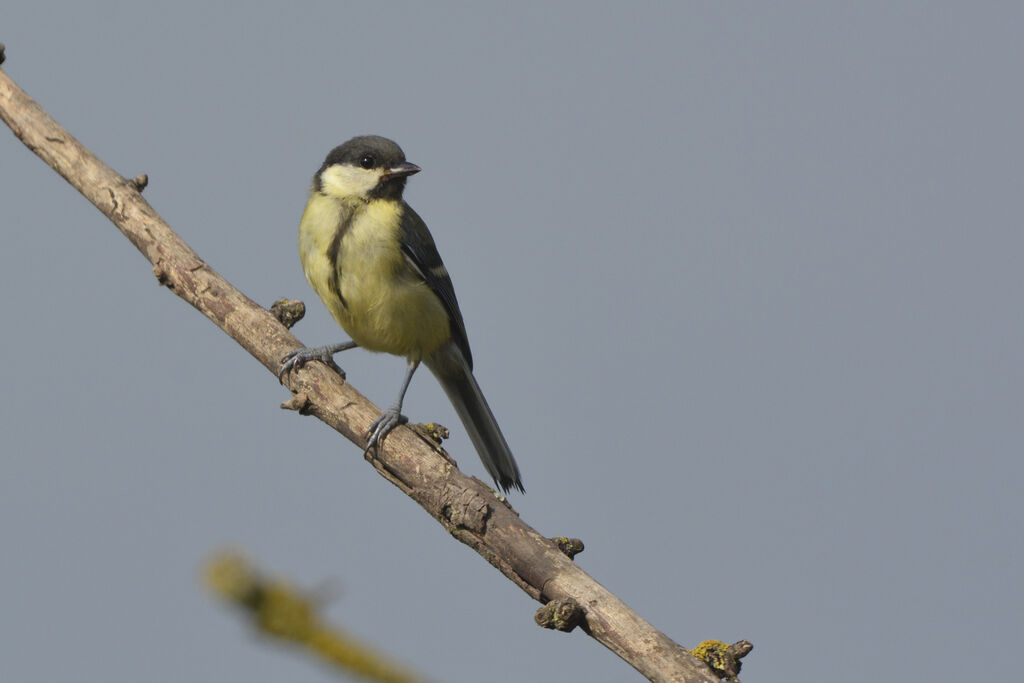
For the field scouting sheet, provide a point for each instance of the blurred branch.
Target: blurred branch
(278, 609)
(465, 506)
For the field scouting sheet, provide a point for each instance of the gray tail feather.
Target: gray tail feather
(452, 371)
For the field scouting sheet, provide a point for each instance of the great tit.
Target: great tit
(373, 263)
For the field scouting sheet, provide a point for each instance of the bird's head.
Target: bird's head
(365, 167)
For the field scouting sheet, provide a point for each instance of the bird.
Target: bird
(373, 263)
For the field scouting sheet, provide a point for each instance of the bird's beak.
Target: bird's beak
(402, 170)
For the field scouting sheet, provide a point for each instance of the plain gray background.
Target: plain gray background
(742, 280)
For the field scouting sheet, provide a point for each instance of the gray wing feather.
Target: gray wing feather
(421, 254)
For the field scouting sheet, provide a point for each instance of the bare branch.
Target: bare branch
(465, 506)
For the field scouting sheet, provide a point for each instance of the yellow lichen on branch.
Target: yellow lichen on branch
(277, 608)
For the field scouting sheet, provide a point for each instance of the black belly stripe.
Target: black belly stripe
(333, 283)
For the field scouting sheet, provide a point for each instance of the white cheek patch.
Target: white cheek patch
(348, 181)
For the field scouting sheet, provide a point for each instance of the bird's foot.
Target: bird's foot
(382, 426)
(294, 360)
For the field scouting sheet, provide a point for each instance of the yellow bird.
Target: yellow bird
(373, 263)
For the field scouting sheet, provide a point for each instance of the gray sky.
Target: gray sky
(744, 279)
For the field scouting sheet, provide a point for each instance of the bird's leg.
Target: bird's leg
(392, 417)
(293, 360)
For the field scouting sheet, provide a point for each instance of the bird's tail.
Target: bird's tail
(452, 371)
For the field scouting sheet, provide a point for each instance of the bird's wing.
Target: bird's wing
(421, 255)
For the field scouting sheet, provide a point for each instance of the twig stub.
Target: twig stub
(139, 182)
(299, 402)
(288, 311)
(561, 615)
(571, 547)
(722, 658)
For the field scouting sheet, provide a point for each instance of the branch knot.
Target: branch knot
(723, 659)
(464, 508)
(562, 615)
(571, 547)
(288, 311)
(299, 402)
(139, 182)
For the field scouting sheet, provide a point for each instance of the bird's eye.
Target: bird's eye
(367, 162)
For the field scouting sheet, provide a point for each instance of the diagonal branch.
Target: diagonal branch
(465, 506)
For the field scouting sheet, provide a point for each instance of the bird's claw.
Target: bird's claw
(382, 426)
(295, 359)
(291, 361)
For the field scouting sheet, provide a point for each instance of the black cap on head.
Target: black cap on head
(367, 151)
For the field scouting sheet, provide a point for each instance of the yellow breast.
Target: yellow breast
(383, 304)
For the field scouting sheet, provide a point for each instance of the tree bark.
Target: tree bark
(468, 508)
